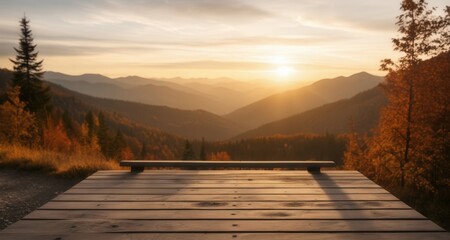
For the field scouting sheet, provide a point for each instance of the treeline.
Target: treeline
(278, 147)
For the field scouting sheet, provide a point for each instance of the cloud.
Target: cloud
(224, 65)
(296, 41)
(230, 9)
(349, 15)
(160, 12)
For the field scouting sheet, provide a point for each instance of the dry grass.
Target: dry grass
(63, 164)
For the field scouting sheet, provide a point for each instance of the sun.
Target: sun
(284, 71)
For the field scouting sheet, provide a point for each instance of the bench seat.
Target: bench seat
(311, 166)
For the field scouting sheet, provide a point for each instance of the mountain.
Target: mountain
(136, 81)
(285, 104)
(183, 123)
(88, 77)
(361, 111)
(233, 94)
(220, 95)
(103, 87)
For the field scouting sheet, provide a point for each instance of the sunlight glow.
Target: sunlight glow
(284, 71)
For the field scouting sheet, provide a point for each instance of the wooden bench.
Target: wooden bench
(139, 165)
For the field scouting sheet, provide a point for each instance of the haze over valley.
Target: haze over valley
(185, 109)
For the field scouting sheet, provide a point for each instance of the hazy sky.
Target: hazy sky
(245, 39)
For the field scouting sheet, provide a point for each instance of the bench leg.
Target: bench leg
(137, 169)
(314, 170)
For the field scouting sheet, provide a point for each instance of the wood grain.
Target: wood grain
(225, 204)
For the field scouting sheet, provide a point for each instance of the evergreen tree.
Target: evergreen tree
(202, 150)
(103, 137)
(90, 121)
(188, 153)
(118, 145)
(68, 124)
(144, 150)
(28, 74)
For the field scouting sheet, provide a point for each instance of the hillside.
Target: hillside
(362, 110)
(184, 123)
(134, 132)
(296, 101)
(168, 94)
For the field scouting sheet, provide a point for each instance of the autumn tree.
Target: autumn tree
(17, 125)
(28, 73)
(354, 154)
(220, 156)
(55, 137)
(403, 147)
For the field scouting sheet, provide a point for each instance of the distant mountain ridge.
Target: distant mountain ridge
(101, 86)
(289, 103)
(183, 123)
(361, 111)
(216, 97)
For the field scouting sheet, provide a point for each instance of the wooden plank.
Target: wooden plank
(232, 226)
(228, 236)
(228, 181)
(223, 214)
(228, 205)
(237, 198)
(125, 184)
(196, 191)
(231, 172)
(220, 177)
(227, 172)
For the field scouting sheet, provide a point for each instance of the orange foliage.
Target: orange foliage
(55, 138)
(17, 125)
(219, 156)
(126, 154)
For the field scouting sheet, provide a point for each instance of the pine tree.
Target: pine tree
(103, 137)
(203, 150)
(118, 145)
(68, 124)
(91, 124)
(188, 153)
(144, 150)
(28, 74)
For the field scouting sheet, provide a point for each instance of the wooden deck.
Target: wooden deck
(228, 204)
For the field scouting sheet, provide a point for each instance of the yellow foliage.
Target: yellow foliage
(72, 164)
(17, 125)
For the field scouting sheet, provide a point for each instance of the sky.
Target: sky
(284, 41)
